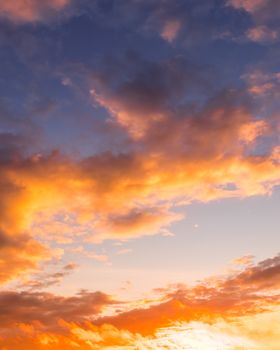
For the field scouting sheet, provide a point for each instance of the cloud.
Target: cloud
(265, 275)
(138, 102)
(18, 255)
(186, 135)
(249, 5)
(262, 10)
(246, 292)
(124, 251)
(167, 161)
(225, 335)
(243, 260)
(70, 267)
(197, 335)
(263, 84)
(265, 14)
(170, 30)
(28, 11)
(44, 280)
(228, 311)
(185, 24)
(262, 34)
(48, 309)
(137, 222)
(191, 22)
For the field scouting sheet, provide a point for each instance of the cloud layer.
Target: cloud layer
(43, 319)
(172, 158)
(25, 11)
(112, 123)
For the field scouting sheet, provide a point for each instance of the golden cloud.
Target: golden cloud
(188, 154)
(128, 195)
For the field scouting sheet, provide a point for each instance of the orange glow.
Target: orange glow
(139, 175)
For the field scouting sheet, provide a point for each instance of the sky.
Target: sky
(139, 174)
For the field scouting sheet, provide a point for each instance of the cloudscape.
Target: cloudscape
(139, 174)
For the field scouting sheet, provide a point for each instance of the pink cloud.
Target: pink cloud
(262, 34)
(248, 5)
(24, 11)
(261, 10)
(170, 30)
(263, 84)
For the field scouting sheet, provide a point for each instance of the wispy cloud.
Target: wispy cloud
(21, 11)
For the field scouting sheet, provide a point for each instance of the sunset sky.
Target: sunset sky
(140, 174)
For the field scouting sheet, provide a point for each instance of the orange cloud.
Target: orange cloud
(248, 292)
(125, 196)
(244, 260)
(135, 223)
(229, 310)
(168, 162)
(47, 309)
(251, 333)
(45, 280)
(18, 255)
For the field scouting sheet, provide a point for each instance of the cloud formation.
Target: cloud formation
(262, 9)
(262, 34)
(44, 280)
(112, 123)
(264, 14)
(28, 11)
(228, 306)
(246, 292)
(18, 255)
(170, 30)
(47, 308)
(169, 123)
